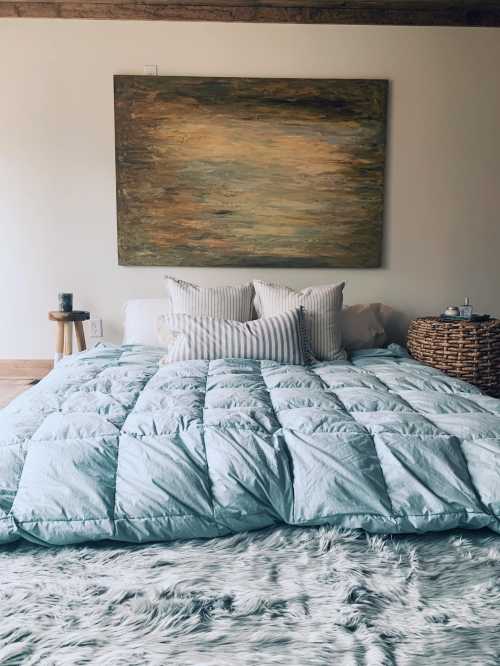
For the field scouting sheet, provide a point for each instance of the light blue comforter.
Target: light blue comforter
(110, 446)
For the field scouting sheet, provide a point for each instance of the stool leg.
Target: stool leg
(68, 338)
(80, 336)
(59, 342)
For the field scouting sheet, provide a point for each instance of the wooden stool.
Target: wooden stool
(64, 339)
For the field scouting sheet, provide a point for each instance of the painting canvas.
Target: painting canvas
(250, 172)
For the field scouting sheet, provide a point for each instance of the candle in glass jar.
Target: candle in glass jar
(65, 302)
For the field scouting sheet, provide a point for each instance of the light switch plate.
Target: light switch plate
(96, 328)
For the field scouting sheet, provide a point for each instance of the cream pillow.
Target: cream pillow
(322, 306)
(363, 326)
(280, 338)
(231, 302)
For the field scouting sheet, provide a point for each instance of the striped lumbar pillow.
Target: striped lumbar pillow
(280, 338)
(323, 310)
(235, 303)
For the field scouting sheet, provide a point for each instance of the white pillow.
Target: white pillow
(322, 305)
(141, 320)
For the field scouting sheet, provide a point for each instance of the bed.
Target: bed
(277, 500)
(111, 446)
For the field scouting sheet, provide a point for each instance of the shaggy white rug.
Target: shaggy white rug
(283, 596)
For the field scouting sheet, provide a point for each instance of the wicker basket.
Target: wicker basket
(463, 349)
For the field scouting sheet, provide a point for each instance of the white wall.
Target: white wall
(57, 186)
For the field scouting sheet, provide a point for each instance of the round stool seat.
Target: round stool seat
(74, 315)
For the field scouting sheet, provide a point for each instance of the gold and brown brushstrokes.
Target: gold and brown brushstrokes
(250, 172)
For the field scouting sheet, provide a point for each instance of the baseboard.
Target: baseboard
(25, 368)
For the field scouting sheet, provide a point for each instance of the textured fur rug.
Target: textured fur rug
(284, 596)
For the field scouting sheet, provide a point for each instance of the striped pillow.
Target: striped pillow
(323, 310)
(280, 338)
(234, 303)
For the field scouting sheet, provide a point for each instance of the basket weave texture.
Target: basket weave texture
(463, 349)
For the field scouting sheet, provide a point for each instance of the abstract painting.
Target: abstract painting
(250, 172)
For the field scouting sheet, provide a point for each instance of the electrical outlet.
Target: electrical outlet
(96, 328)
(150, 70)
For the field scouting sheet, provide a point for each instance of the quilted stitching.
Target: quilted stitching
(111, 446)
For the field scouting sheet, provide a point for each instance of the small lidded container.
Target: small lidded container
(65, 302)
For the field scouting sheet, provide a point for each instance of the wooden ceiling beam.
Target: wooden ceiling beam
(352, 12)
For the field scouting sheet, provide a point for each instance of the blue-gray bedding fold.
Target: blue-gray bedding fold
(111, 446)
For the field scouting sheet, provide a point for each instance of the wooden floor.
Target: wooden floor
(17, 376)
(10, 388)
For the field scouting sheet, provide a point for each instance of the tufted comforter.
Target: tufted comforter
(111, 446)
